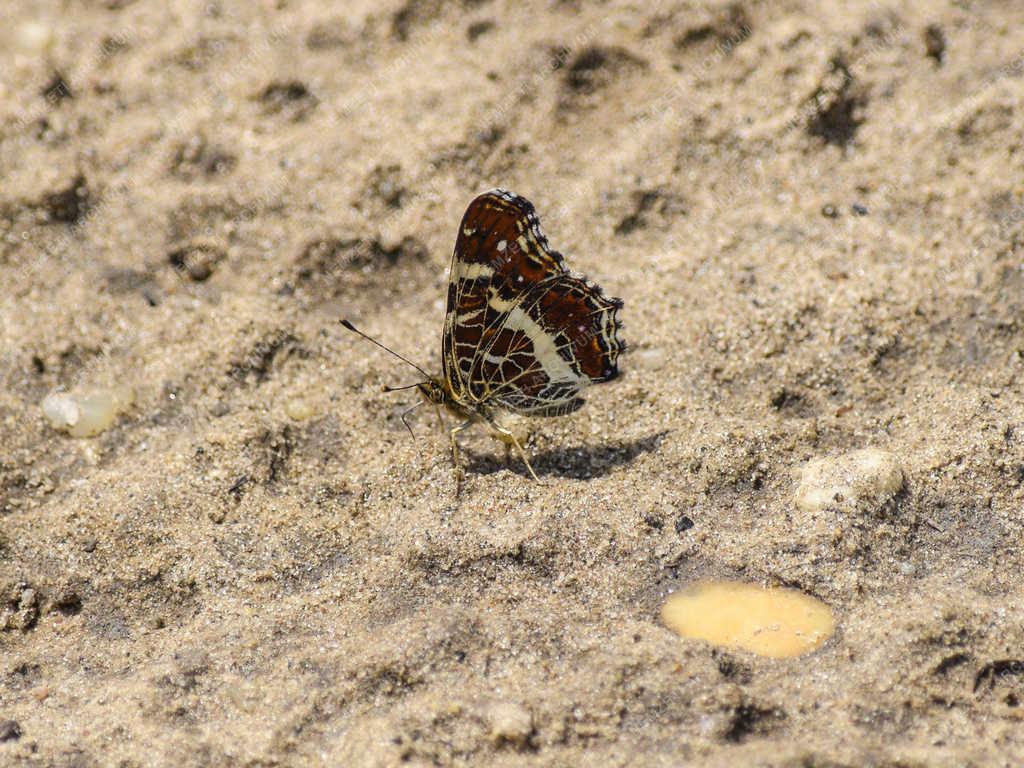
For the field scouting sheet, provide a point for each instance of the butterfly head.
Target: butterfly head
(435, 391)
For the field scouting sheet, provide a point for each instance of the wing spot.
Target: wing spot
(502, 244)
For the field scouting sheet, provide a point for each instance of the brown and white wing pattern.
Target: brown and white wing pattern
(521, 333)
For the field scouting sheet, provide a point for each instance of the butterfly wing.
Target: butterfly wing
(558, 339)
(522, 333)
(500, 251)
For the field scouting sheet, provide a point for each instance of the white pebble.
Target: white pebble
(650, 359)
(35, 37)
(509, 722)
(61, 409)
(867, 475)
(85, 414)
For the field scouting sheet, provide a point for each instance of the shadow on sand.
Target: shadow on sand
(582, 463)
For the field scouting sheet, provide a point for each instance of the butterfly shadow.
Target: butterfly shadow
(583, 463)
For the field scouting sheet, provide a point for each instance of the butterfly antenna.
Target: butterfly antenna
(352, 328)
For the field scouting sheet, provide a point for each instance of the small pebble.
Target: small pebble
(829, 211)
(868, 475)
(35, 37)
(298, 409)
(935, 43)
(708, 725)
(683, 524)
(509, 722)
(859, 209)
(650, 359)
(86, 414)
(9, 730)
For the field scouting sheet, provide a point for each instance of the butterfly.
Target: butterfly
(521, 334)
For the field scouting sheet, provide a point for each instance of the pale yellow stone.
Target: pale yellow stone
(298, 409)
(771, 622)
(85, 414)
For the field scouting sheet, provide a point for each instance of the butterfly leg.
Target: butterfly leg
(508, 445)
(508, 438)
(455, 453)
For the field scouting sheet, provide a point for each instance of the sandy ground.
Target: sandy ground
(815, 217)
